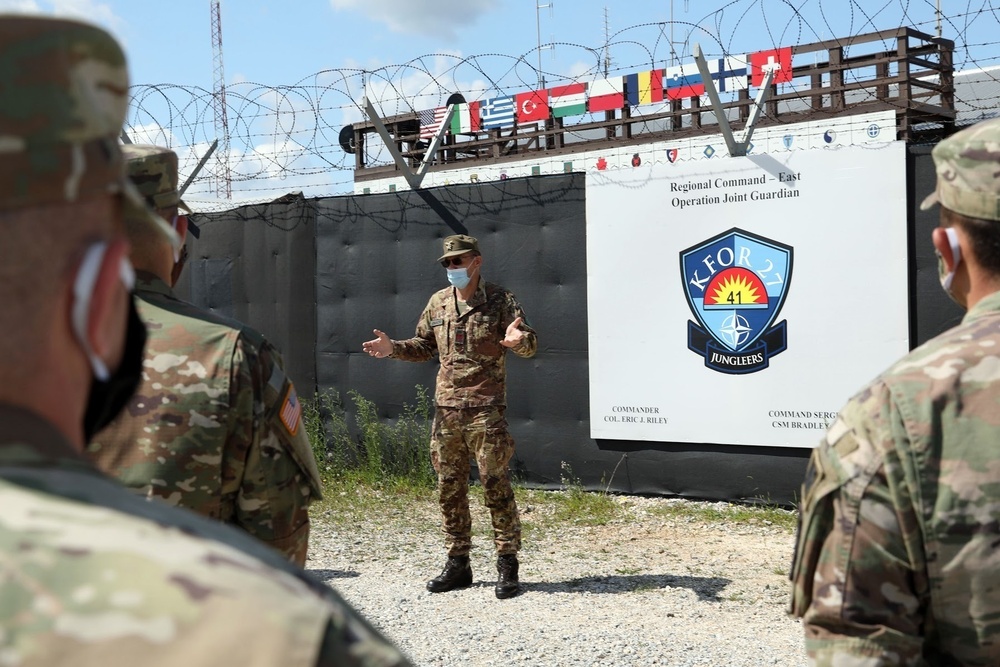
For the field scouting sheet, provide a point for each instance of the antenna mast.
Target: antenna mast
(223, 179)
(607, 42)
(538, 28)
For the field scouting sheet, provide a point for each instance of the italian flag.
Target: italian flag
(466, 119)
(568, 100)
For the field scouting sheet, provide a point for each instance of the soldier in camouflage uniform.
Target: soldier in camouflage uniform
(215, 425)
(896, 558)
(90, 574)
(470, 326)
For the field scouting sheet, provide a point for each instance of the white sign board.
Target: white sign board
(744, 300)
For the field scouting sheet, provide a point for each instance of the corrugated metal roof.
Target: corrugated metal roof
(977, 95)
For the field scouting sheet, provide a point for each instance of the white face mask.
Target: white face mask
(83, 292)
(177, 251)
(946, 277)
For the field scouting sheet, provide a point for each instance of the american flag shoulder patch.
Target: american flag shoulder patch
(291, 410)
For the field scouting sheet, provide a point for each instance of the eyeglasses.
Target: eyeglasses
(448, 262)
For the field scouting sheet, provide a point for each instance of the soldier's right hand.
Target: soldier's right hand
(378, 347)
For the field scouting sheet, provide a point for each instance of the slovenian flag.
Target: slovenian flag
(568, 100)
(497, 112)
(606, 94)
(466, 119)
(644, 87)
(683, 81)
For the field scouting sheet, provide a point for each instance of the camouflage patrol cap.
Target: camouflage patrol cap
(459, 244)
(968, 172)
(63, 99)
(153, 170)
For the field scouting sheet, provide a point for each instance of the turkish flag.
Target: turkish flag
(780, 57)
(532, 107)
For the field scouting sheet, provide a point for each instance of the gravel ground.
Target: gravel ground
(645, 590)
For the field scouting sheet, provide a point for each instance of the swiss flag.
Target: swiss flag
(781, 57)
(531, 107)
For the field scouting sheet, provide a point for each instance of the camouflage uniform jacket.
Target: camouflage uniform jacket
(214, 426)
(473, 371)
(896, 557)
(92, 575)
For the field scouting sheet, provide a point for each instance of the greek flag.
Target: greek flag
(497, 112)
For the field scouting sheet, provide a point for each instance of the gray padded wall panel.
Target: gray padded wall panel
(257, 264)
(931, 311)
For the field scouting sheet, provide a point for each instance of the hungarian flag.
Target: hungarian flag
(466, 118)
(644, 87)
(606, 94)
(782, 58)
(430, 121)
(568, 100)
(532, 107)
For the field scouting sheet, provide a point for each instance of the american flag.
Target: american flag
(430, 121)
(291, 411)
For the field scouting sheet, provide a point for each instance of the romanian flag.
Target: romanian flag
(644, 87)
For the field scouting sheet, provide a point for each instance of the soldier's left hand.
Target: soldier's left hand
(514, 335)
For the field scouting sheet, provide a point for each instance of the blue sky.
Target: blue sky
(276, 42)
(297, 70)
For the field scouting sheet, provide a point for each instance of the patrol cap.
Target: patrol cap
(459, 244)
(968, 172)
(63, 99)
(153, 170)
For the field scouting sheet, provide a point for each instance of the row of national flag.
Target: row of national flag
(649, 87)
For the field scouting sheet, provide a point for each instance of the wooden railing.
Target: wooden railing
(914, 76)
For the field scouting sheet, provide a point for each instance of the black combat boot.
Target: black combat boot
(457, 573)
(507, 585)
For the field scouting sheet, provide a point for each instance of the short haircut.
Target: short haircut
(984, 238)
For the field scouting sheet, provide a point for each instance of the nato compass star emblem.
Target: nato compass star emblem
(735, 284)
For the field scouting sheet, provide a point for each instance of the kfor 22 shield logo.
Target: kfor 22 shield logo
(735, 284)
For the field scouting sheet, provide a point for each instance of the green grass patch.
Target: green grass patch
(376, 452)
(731, 513)
(376, 468)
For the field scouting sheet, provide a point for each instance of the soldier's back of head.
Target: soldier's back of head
(91, 574)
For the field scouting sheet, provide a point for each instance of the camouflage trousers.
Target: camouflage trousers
(457, 435)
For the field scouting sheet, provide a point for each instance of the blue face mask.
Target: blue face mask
(458, 278)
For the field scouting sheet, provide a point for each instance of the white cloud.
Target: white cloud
(431, 18)
(88, 11)
(20, 6)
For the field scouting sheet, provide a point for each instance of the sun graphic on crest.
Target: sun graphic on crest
(735, 288)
